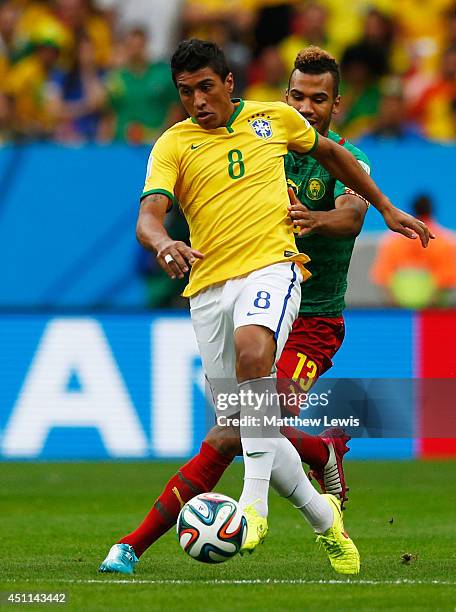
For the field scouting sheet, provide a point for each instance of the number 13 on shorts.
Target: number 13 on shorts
(305, 383)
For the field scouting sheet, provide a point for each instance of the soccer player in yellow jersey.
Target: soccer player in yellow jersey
(224, 167)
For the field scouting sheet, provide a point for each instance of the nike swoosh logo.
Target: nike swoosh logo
(250, 314)
(257, 454)
(193, 147)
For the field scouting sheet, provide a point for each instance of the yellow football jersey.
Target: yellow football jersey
(230, 183)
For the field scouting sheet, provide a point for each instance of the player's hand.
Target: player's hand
(306, 220)
(407, 225)
(176, 258)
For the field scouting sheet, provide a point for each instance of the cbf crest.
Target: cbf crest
(261, 126)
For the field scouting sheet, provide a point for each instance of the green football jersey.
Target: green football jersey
(324, 293)
(141, 99)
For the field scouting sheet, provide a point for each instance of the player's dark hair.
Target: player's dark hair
(192, 55)
(313, 60)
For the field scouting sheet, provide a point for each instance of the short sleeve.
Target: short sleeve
(301, 136)
(341, 189)
(162, 168)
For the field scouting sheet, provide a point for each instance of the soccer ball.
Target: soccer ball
(211, 528)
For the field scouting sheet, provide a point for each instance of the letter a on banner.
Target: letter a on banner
(74, 349)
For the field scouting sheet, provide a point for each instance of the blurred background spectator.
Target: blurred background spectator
(141, 95)
(79, 96)
(413, 277)
(434, 109)
(390, 122)
(363, 64)
(64, 21)
(229, 24)
(160, 19)
(271, 79)
(28, 88)
(308, 26)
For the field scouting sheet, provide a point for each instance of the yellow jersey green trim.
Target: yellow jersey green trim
(235, 114)
(315, 144)
(164, 192)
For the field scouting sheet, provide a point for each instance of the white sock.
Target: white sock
(318, 513)
(255, 492)
(290, 481)
(258, 443)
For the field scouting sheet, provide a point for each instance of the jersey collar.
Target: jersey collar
(236, 112)
(238, 108)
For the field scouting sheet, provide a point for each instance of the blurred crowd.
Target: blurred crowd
(77, 71)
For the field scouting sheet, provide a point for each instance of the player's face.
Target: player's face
(206, 97)
(312, 95)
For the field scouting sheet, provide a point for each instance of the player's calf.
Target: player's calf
(331, 477)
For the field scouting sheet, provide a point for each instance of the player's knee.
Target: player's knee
(255, 351)
(225, 440)
(254, 362)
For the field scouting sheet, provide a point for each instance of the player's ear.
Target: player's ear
(229, 83)
(286, 95)
(336, 106)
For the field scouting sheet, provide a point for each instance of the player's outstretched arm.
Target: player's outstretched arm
(343, 221)
(341, 164)
(174, 256)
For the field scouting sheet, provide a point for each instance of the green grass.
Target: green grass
(59, 520)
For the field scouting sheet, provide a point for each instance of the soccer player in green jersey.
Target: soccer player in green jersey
(330, 217)
(202, 472)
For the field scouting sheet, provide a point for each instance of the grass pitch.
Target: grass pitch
(59, 520)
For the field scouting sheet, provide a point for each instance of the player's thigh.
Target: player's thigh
(270, 297)
(214, 334)
(308, 352)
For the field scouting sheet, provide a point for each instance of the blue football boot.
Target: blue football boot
(121, 559)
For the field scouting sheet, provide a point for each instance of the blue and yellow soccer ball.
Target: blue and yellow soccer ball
(211, 528)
